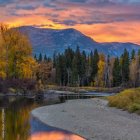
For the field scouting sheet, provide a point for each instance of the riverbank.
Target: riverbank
(85, 89)
(91, 118)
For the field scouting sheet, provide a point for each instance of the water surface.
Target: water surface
(16, 123)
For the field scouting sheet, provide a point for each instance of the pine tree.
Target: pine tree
(75, 75)
(54, 59)
(49, 59)
(125, 67)
(40, 57)
(61, 73)
(94, 62)
(69, 54)
(139, 52)
(35, 57)
(133, 54)
(116, 73)
(83, 68)
(91, 59)
(139, 55)
(45, 58)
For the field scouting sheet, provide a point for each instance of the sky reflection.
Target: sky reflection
(54, 136)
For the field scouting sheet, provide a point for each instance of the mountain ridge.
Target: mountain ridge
(47, 41)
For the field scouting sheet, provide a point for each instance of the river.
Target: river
(16, 122)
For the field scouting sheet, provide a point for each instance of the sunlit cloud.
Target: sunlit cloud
(113, 32)
(103, 20)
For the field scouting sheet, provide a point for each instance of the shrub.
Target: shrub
(16, 84)
(128, 100)
(134, 107)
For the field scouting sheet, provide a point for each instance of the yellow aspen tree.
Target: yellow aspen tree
(101, 69)
(2, 57)
(28, 68)
(16, 54)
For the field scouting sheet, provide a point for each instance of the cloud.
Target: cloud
(4, 2)
(44, 25)
(25, 7)
(85, 11)
(80, 1)
(112, 32)
(85, 15)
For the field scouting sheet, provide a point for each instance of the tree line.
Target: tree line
(76, 68)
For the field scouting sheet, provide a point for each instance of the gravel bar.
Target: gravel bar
(92, 119)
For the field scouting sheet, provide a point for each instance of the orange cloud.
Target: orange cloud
(109, 23)
(126, 31)
(113, 32)
(109, 32)
(104, 21)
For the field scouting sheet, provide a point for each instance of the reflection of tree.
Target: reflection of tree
(17, 120)
(2, 123)
(3, 105)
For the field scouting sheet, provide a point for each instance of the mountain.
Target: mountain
(48, 41)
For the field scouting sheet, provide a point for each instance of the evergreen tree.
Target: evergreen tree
(139, 52)
(88, 71)
(35, 57)
(69, 54)
(75, 75)
(83, 68)
(133, 54)
(116, 73)
(125, 67)
(54, 59)
(107, 72)
(45, 58)
(95, 64)
(91, 59)
(76, 68)
(49, 59)
(61, 74)
(139, 56)
(40, 57)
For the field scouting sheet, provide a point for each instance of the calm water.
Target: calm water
(16, 123)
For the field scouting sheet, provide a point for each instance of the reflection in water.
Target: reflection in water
(17, 114)
(54, 136)
(18, 124)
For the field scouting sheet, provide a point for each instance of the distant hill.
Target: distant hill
(48, 41)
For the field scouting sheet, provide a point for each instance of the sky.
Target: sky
(102, 20)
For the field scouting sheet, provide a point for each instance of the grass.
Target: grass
(127, 100)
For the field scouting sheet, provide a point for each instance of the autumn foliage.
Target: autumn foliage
(16, 61)
(16, 54)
